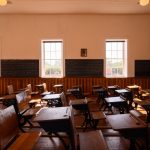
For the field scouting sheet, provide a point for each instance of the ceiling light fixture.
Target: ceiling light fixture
(3, 2)
(144, 2)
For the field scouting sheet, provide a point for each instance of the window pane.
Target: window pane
(114, 71)
(47, 54)
(115, 58)
(114, 54)
(120, 46)
(52, 59)
(47, 47)
(58, 54)
(114, 46)
(120, 71)
(52, 46)
(58, 46)
(108, 46)
(108, 54)
(52, 55)
(47, 67)
(55, 67)
(120, 54)
(120, 63)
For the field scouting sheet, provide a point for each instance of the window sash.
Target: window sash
(115, 58)
(52, 59)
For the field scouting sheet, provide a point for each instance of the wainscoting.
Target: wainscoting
(85, 82)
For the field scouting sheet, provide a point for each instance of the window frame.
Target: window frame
(43, 58)
(124, 55)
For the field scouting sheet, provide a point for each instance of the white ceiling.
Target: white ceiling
(74, 7)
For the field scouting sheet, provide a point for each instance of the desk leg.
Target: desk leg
(148, 114)
(61, 139)
(132, 144)
(87, 120)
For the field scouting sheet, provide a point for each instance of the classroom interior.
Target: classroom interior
(81, 106)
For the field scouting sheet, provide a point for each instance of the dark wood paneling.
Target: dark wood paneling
(85, 82)
(20, 68)
(142, 68)
(84, 67)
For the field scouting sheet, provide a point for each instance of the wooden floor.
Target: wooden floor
(114, 143)
(113, 139)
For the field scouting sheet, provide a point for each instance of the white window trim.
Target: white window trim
(42, 74)
(125, 74)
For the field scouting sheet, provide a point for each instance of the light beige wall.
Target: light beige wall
(21, 35)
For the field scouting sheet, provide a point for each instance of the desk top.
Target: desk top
(39, 85)
(98, 90)
(58, 85)
(133, 86)
(8, 97)
(125, 121)
(145, 93)
(72, 90)
(112, 87)
(116, 99)
(122, 91)
(81, 101)
(51, 96)
(143, 102)
(97, 142)
(53, 114)
(96, 86)
(78, 102)
(46, 93)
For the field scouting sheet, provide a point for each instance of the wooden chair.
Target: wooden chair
(10, 89)
(96, 117)
(80, 107)
(8, 126)
(128, 96)
(9, 132)
(96, 101)
(34, 96)
(23, 110)
(92, 140)
(78, 93)
(58, 88)
(25, 141)
(45, 91)
(94, 89)
(73, 132)
(63, 99)
(29, 88)
(111, 90)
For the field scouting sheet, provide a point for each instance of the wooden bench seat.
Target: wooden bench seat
(9, 132)
(8, 126)
(23, 110)
(96, 116)
(92, 140)
(25, 141)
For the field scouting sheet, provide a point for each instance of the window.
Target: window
(52, 58)
(116, 58)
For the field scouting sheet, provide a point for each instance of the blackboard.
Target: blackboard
(84, 67)
(142, 68)
(19, 68)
